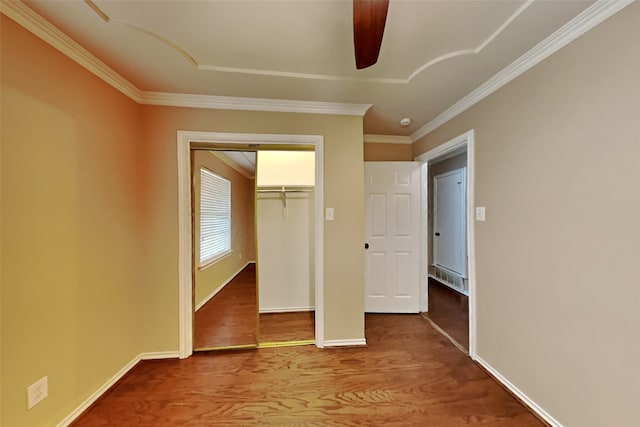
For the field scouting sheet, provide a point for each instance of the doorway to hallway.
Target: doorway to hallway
(449, 312)
(448, 288)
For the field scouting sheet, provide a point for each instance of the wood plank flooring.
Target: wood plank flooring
(230, 317)
(408, 375)
(450, 311)
(281, 327)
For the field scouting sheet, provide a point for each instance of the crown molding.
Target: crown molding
(40, 27)
(30, 20)
(252, 104)
(479, 48)
(585, 21)
(387, 139)
(311, 76)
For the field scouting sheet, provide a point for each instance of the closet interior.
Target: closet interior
(285, 245)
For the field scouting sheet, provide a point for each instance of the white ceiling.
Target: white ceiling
(433, 52)
(245, 161)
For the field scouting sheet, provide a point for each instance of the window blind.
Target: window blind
(215, 216)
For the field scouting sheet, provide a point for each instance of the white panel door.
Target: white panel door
(449, 221)
(392, 192)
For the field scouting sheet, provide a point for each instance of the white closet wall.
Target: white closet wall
(285, 252)
(285, 231)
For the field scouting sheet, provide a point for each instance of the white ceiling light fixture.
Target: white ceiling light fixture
(405, 122)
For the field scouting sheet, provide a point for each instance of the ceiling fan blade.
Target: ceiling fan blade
(369, 18)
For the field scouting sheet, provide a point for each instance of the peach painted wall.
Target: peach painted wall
(91, 281)
(343, 188)
(374, 152)
(74, 213)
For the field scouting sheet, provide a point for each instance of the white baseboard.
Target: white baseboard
(517, 392)
(157, 355)
(442, 282)
(219, 288)
(345, 343)
(286, 309)
(111, 381)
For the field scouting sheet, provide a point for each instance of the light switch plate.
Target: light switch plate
(328, 214)
(480, 213)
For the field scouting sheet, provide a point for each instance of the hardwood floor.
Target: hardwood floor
(281, 327)
(450, 311)
(230, 317)
(408, 375)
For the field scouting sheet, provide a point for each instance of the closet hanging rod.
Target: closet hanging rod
(286, 191)
(283, 189)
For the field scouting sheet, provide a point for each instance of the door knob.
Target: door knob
(437, 234)
(366, 246)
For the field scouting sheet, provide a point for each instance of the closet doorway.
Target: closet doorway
(285, 247)
(289, 196)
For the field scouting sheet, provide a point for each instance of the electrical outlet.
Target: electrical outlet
(37, 392)
(239, 255)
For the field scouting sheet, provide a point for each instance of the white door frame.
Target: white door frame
(464, 140)
(185, 281)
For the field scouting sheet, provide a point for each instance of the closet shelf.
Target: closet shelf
(283, 192)
(286, 189)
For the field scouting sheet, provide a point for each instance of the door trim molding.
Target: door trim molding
(346, 343)
(467, 140)
(185, 280)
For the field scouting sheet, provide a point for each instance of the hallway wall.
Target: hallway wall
(378, 152)
(456, 162)
(556, 161)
